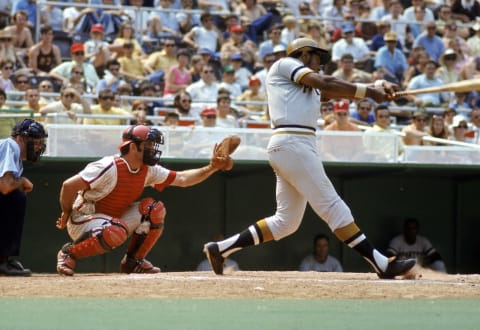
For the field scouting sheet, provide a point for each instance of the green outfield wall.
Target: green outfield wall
(444, 198)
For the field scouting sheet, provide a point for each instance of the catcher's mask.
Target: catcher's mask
(297, 46)
(33, 135)
(140, 133)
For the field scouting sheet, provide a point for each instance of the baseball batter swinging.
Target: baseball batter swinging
(294, 87)
(99, 207)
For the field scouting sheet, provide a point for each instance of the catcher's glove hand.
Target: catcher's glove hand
(221, 159)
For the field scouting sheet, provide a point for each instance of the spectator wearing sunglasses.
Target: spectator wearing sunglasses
(63, 71)
(6, 67)
(206, 89)
(70, 103)
(415, 132)
(105, 107)
(112, 79)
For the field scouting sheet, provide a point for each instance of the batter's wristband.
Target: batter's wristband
(379, 83)
(361, 91)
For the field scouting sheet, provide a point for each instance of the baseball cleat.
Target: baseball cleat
(12, 267)
(397, 267)
(65, 263)
(214, 257)
(142, 266)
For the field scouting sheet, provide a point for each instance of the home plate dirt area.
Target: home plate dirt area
(244, 284)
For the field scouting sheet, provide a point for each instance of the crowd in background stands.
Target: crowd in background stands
(211, 64)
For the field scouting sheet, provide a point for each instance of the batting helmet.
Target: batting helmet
(309, 45)
(141, 133)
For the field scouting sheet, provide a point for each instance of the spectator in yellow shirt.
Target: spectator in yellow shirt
(105, 107)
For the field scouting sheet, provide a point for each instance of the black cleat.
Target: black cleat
(214, 257)
(13, 268)
(397, 267)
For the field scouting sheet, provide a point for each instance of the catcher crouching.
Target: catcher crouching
(100, 208)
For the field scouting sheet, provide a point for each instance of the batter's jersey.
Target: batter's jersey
(289, 102)
(10, 158)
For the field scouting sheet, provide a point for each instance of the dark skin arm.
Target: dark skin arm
(334, 88)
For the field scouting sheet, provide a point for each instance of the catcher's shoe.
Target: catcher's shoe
(65, 263)
(214, 257)
(397, 267)
(142, 266)
(10, 267)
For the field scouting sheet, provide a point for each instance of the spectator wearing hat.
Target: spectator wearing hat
(347, 71)
(447, 71)
(235, 44)
(44, 56)
(274, 38)
(390, 62)
(353, 45)
(341, 147)
(377, 40)
(7, 49)
(228, 81)
(459, 129)
(209, 117)
(342, 119)
(242, 74)
(253, 93)
(204, 36)
(62, 72)
(427, 79)
(279, 51)
(415, 132)
(206, 89)
(473, 42)
(398, 23)
(96, 49)
(432, 43)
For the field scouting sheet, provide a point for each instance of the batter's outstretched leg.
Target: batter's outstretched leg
(216, 252)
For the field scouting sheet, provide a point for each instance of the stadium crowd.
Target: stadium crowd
(189, 62)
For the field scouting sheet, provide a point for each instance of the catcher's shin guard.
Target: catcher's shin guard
(153, 212)
(110, 237)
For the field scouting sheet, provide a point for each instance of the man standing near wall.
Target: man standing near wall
(27, 142)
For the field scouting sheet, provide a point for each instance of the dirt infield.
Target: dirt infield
(243, 284)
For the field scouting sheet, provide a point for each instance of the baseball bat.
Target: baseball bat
(457, 87)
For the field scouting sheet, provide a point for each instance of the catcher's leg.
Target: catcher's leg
(144, 238)
(96, 242)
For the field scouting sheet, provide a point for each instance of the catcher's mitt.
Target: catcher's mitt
(221, 159)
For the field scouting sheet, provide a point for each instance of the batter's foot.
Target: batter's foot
(397, 267)
(214, 257)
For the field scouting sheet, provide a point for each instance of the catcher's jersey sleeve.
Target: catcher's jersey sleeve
(289, 102)
(159, 177)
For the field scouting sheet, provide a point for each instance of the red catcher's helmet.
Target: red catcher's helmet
(140, 133)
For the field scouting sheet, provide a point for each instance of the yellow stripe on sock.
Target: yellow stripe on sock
(347, 232)
(266, 233)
